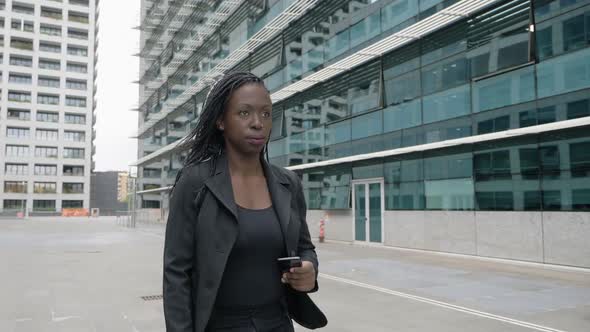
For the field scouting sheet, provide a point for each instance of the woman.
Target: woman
(232, 214)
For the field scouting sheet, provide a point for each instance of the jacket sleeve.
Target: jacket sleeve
(178, 258)
(305, 247)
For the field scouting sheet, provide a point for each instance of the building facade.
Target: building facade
(456, 126)
(48, 72)
(105, 191)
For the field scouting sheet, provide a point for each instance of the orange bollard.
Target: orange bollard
(322, 231)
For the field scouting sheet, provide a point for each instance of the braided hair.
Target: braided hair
(206, 141)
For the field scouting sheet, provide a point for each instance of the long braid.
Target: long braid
(206, 141)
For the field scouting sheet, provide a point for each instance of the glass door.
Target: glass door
(360, 212)
(368, 212)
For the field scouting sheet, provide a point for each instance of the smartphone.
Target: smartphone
(286, 263)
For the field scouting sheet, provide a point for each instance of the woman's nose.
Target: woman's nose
(256, 122)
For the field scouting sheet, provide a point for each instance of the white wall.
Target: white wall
(545, 237)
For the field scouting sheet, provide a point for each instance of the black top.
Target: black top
(252, 276)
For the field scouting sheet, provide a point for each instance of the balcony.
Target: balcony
(172, 139)
(53, 14)
(78, 19)
(21, 44)
(84, 3)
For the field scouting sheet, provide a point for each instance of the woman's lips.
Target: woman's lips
(256, 140)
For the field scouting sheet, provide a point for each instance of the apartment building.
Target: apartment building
(47, 82)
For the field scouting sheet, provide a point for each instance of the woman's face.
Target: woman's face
(247, 120)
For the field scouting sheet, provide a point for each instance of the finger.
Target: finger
(299, 270)
(292, 276)
(306, 267)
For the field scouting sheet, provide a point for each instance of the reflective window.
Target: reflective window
(277, 148)
(449, 129)
(403, 88)
(45, 152)
(493, 125)
(564, 74)
(503, 90)
(563, 34)
(46, 134)
(578, 109)
(17, 114)
(448, 166)
(43, 205)
(504, 50)
(17, 150)
(16, 169)
(47, 116)
(337, 45)
(549, 8)
(364, 96)
(45, 187)
(338, 132)
(367, 145)
(580, 159)
(427, 4)
(444, 75)
(70, 170)
(367, 170)
(450, 194)
(404, 196)
(402, 116)
(15, 187)
(69, 204)
(535, 117)
(447, 104)
(365, 29)
(397, 12)
(367, 125)
(46, 170)
(336, 188)
(492, 165)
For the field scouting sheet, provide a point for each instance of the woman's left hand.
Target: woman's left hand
(301, 278)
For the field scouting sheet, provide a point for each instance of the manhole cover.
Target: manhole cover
(152, 297)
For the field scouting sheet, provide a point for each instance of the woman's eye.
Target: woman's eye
(266, 114)
(243, 113)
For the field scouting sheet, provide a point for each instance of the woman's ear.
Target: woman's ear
(219, 124)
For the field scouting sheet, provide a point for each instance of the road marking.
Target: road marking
(20, 320)
(61, 319)
(443, 304)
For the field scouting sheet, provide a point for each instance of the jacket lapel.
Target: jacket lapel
(278, 186)
(220, 186)
(280, 195)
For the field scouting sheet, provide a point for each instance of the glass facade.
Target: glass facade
(486, 73)
(458, 87)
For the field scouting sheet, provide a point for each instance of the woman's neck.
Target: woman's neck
(243, 165)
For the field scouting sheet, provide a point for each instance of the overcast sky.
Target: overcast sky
(117, 69)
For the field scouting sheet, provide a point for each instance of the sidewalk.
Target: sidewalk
(90, 275)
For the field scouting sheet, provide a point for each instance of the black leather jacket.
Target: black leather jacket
(201, 231)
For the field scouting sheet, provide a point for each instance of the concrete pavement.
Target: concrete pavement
(90, 275)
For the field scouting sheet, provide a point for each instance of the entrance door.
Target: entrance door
(368, 211)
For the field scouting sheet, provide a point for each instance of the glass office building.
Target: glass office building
(454, 126)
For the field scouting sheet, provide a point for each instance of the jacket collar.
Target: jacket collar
(278, 185)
